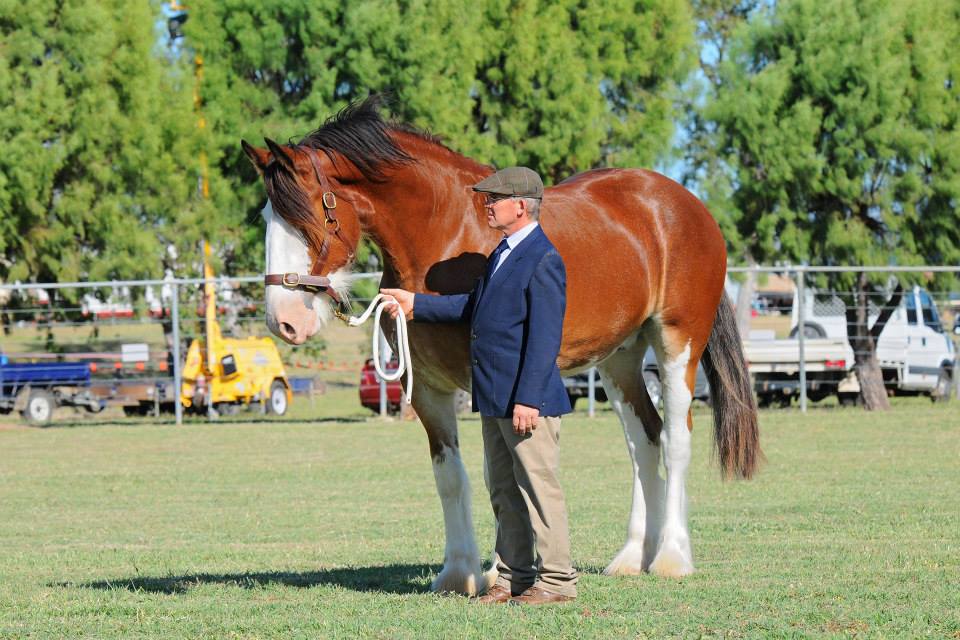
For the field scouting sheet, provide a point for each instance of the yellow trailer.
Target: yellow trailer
(229, 372)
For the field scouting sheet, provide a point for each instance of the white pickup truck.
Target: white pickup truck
(915, 353)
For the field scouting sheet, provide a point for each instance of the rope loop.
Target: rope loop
(404, 362)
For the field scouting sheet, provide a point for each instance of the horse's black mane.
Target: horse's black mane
(361, 135)
(358, 133)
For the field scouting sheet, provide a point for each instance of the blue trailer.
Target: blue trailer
(35, 389)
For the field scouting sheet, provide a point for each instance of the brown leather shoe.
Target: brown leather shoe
(496, 594)
(536, 595)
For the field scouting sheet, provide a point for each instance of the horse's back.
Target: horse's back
(635, 243)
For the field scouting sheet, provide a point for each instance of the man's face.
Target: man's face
(504, 213)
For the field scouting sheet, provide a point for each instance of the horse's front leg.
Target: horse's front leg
(461, 561)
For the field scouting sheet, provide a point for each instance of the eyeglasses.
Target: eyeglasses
(490, 201)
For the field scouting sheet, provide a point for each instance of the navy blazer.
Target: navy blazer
(516, 324)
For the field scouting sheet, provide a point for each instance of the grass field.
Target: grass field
(306, 529)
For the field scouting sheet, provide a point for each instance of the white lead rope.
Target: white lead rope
(404, 362)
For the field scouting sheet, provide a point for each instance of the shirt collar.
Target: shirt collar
(518, 236)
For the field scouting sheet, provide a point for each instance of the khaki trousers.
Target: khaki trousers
(533, 540)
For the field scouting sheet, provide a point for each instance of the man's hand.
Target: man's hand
(524, 419)
(404, 299)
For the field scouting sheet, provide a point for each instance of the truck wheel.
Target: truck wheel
(40, 406)
(277, 402)
(849, 399)
(654, 388)
(810, 330)
(944, 389)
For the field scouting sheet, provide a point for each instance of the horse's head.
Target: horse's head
(321, 196)
(313, 229)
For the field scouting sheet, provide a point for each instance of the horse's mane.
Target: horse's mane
(361, 135)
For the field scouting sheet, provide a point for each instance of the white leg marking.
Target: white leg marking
(674, 557)
(461, 562)
(643, 528)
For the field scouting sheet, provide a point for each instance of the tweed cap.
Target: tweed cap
(512, 181)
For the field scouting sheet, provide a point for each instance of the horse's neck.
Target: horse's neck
(426, 213)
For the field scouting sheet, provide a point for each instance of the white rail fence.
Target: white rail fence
(795, 339)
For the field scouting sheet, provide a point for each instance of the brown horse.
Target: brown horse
(645, 264)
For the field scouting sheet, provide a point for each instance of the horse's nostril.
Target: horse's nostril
(287, 330)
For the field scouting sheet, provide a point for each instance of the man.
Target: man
(516, 321)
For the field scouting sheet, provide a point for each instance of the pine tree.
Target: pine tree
(91, 178)
(839, 125)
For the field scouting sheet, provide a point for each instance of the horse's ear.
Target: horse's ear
(281, 156)
(259, 157)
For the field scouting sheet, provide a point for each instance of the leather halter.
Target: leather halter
(313, 283)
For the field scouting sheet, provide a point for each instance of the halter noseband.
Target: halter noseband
(312, 283)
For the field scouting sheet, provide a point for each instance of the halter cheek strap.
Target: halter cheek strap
(314, 283)
(329, 200)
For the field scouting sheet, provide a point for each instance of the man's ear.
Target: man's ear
(281, 155)
(260, 158)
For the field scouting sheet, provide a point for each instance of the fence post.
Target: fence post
(591, 389)
(175, 319)
(384, 362)
(801, 336)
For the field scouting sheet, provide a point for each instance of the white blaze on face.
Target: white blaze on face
(302, 311)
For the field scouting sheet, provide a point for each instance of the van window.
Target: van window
(911, 308)
(930, 317)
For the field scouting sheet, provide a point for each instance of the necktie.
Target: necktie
(495, 257)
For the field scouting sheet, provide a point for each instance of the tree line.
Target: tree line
(816, 132)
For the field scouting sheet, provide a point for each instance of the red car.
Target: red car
(370, 388)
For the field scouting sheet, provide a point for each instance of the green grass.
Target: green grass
(305, 529)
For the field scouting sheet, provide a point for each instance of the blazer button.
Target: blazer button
(475, 361)
(473, 336)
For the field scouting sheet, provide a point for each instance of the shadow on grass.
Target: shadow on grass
(159, 422)
(395, 578)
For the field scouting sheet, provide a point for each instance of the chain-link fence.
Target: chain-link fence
(127, 345)
(809, 329)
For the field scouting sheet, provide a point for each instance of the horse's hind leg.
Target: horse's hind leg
(461, 561)
(622, 375)
(678, 352)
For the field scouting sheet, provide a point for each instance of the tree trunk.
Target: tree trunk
(863, 341)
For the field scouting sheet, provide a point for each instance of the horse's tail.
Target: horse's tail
(737, 437)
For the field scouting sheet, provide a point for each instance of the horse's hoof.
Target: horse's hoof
(672, 562)
(629, 562)
(489, 578)
(456, 577)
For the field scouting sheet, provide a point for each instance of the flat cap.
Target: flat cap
(512, 181)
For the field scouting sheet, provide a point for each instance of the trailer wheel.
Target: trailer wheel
(277, 402)
(40, 406)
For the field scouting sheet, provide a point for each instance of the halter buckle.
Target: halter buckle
(291, 280)
(330, 203)
(332, 225)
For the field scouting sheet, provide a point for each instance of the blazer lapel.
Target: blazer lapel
(516, 255)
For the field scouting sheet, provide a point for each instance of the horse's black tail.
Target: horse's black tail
(737, 436)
